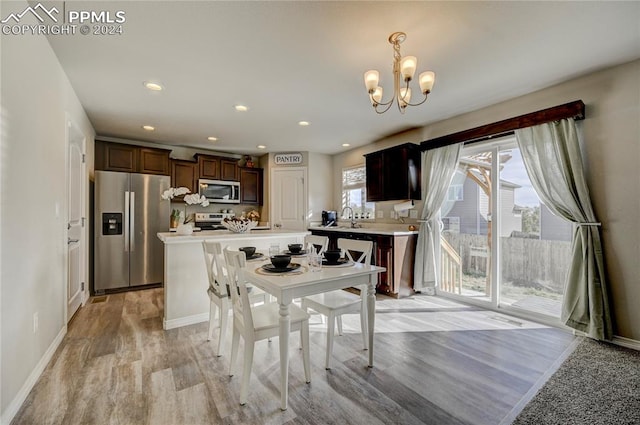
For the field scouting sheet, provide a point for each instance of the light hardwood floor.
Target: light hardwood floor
(436, 362)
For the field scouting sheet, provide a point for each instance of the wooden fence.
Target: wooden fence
(541, 264)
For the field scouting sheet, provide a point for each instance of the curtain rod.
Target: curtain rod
(575, 110)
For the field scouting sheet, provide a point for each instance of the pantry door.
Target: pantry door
(288, 196)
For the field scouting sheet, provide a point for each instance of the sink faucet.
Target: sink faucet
(354, 223)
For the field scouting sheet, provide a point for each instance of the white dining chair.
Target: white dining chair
(218, 292)
(317, 242)
(334, 304)
(257, 323)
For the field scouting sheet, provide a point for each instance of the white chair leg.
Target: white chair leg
(331, 324)
(364, 321)
(246, 370)
(364, 329)
(224, 325)
(212, 319)
(235, 341)
(339, 320)
(306, 359)
(303, 306)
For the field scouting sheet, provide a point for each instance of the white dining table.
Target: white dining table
(287, 286)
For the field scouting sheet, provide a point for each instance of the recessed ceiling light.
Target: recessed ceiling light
(148, 127)
(153, 86)
(304, 123)
(211, 138)
(345, 145)
(241, 108)
(261, 147)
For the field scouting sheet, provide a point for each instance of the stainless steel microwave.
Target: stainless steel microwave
(219, 191)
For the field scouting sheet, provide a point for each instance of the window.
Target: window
(456, 192)
(451, 224)
(354, 192)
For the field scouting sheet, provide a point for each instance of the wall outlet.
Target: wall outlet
(379, 214)
(413, 214)
(35, 322)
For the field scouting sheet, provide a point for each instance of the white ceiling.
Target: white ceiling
(293, 61)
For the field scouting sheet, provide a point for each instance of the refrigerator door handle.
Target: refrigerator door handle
(126, 221)
(132, 222)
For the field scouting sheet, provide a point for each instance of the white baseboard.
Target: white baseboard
(626, 342)
(16, 403)
(184, 321)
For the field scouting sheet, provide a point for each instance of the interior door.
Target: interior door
(288, 196)
(76, 241)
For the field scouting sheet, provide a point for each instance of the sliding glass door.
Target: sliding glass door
(501, 246)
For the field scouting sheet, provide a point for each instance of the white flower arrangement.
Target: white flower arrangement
(192, 199)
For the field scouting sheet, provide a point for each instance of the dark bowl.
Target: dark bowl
(248, 250)
(332, 255)
(280, 261)
(295, 248)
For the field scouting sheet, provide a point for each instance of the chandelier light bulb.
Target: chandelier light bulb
(408, 66)
(405, 97)
(376, 96)
(426, 80)
(371, 79)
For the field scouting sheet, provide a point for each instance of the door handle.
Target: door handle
(132, 222)
(126, 221)
(70, 241)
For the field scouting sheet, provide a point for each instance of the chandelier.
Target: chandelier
(403, 70)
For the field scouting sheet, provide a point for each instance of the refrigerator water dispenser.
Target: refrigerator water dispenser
(111, 224)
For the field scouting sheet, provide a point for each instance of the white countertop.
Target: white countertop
(389, 229)
(172, 237)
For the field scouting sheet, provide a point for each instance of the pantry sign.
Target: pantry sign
(288, 158)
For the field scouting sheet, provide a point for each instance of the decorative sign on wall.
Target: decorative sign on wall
(288, 158)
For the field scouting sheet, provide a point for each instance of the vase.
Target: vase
(173, 223)
(184, 229)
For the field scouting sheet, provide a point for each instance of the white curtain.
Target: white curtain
(438, 168)
(551, 154)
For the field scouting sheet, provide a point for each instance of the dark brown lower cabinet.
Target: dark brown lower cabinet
(394, 252)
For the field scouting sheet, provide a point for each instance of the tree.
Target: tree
(531, 219)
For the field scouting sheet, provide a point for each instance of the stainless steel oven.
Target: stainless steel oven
(211, 221)
(220, 191)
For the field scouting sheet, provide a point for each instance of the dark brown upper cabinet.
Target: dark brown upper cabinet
(116, 157)
(393, 173)
(154, 161)
(209, 167)
(229, 169)
(131, 159)
(251, 185)
(217, 168)
(184, 173)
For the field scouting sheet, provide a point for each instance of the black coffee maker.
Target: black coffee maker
(329, 218)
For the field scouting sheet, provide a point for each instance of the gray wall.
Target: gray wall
(37, 98)
(611, 135)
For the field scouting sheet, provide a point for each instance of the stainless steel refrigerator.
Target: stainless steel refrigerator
(129, 212)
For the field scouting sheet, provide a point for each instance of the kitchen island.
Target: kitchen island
(185, 276)
(394, 248)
